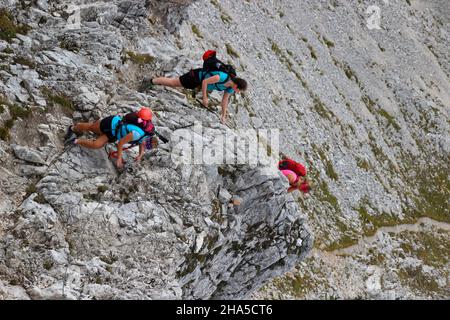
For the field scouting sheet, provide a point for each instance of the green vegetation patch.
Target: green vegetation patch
(69, 45)
(390, 119)
(25, 62)
(196, 31)
(363, 164)
(139, 58)
(325, 195)
(9, 28)
(328, 165)
(16, 112)
(226, 18)
(284, 59)
(329, 43)
(431, 248)
(378, 152)
(4, 133)
(415, 278)
(313, 52)
(102, 188)
(433, 186)
(349, 73)
(8, 50)
(231, 51)
(56, 98)
(320, 108)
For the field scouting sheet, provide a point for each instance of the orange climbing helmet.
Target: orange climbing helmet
(145, 114)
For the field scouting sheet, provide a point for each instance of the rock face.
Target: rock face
(71, 225)
(358, 90)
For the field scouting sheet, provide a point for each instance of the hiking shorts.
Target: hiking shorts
(191, 79)
(106, 128)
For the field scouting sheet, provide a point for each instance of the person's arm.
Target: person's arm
(210, 80)
(128, 138)
(141, 151)
(224, 105)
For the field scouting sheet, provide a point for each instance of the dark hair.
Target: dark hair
(241, 83)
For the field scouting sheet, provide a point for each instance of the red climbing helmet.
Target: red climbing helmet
(208, 54)
(145, 114)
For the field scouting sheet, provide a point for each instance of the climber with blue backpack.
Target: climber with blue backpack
(134, 128)
(215, 75)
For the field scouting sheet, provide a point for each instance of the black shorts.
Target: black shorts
(191, 79)
(105, 127)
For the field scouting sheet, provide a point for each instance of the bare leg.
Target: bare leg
(169, 82)
(88, 126)
(292, 177)
(93, 144)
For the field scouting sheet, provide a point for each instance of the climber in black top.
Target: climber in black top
(215, 75)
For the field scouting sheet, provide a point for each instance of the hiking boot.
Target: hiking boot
(70, 136)
(146, 84)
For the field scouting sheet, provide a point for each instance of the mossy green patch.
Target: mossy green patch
(4, 133)
(275, 48)
(192, 260)
(320, 108)
(329, 43)
(9, 28)
(378, 151)
(328, 165)
(370, 104)
(8, 50)
(363, 164)
(414, 277)
(139, 58)
(56, 98)
(371, 223)
(25, 62)
(231, 51)
(196, 31)
(433, 185)
(390, 119)
(47, 265)
(31, 188)
(69, 44)
(39, 198)
(216, 4)
(102, 188)
(226, 18)
(344, 242)
(17, 111)
(284, 59)
(431, 248)
(325, 195)
(312, 52)
(350, 74)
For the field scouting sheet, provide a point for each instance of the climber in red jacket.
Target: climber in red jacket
(296, 174)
